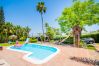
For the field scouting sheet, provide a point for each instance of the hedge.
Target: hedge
(67, 41)
(95, 36)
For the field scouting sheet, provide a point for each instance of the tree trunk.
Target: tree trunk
(42, 26)
(76, 34)
(6, 37)
(76, 40)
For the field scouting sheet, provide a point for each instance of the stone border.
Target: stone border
(33, 60)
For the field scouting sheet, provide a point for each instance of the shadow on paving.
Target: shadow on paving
(86, 60)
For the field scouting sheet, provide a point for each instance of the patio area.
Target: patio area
(61, 59)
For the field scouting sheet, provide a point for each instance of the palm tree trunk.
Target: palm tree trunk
(6, 37)
(42, 25)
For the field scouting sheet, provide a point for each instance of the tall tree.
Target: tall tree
(7, 29)
(80, 14)
(41, 9)
(2, 19)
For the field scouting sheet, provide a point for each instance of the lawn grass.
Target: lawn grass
(6, 44)
(91, 47)
(97, 43)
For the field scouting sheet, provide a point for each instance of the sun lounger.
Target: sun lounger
(27, 40)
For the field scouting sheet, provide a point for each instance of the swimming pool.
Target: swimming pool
(36, 53)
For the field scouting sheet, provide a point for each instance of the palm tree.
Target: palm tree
(7, 30)
(41, 9)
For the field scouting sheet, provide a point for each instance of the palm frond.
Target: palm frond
(44, 10)
(41, 7)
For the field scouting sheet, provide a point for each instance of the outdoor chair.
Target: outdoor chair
(27, 40)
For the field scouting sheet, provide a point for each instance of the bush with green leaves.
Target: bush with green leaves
(58, 38)
(22, 39)
(2, 38)
(33, 40)
(90, 47)
(68, 41)
(42, 38)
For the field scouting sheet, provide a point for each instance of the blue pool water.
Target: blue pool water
(38, 51)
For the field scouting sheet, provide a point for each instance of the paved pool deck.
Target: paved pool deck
(61, 59)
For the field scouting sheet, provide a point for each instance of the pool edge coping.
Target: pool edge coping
(35, 61)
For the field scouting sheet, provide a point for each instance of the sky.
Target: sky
(23, 13)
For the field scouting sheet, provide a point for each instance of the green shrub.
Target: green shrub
(2, 38)
(82, 44)
(33, 40)
(42, 38)
(91, 47)
(22, 39)
(68, 40)
(58, 38)
(51, 41)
